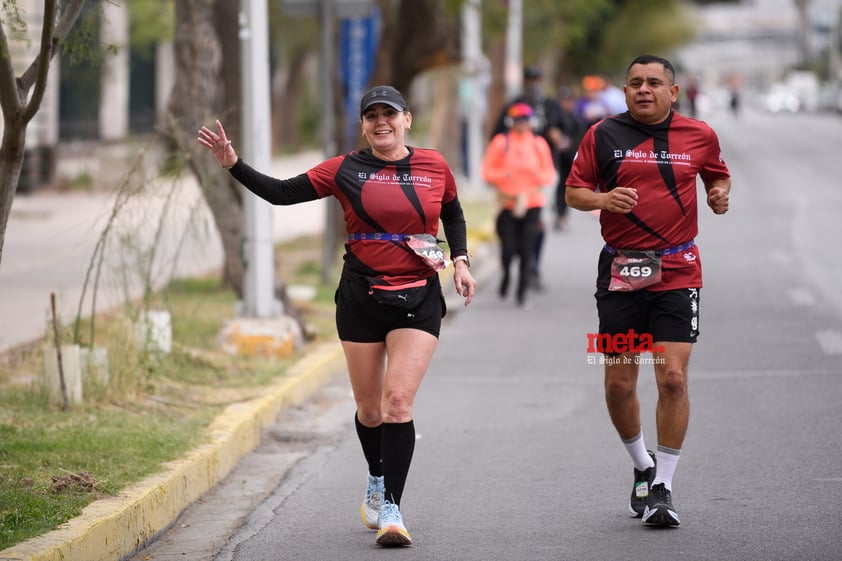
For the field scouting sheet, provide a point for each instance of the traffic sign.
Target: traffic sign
(340, 8)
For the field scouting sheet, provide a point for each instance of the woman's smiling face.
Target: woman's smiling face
(384, 128)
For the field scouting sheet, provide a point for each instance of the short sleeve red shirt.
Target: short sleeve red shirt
(662, 162)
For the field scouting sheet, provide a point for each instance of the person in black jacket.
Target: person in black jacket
(573, 128)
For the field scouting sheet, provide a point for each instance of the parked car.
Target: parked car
(781, 99)
(830, 98)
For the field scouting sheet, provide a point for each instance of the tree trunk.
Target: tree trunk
(287, 104)
(497, 91)
(11, 161)
(417, 36)
(21, 98)
(197, 99)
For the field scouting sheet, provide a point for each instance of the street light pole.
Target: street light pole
(834, 62)
(513, 74)
(474, 105)
(258, 287)
(326, 13)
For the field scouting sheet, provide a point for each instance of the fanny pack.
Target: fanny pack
(425, 246)
(636, 269)
(407, 296)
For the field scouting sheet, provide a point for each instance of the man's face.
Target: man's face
(649, 93)
(533, 88)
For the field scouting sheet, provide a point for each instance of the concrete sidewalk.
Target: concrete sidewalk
(51, 238)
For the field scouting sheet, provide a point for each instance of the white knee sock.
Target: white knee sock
(636, 448)
(667, 460)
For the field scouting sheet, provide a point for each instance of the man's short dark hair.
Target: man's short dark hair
(533, 72)
(649, 59)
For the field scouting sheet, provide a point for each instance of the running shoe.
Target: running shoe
(642, 482)
(370, 510)
(659, 509)
(392, 532)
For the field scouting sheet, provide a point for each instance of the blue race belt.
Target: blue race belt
(668, 251)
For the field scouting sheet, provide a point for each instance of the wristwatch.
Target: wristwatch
(462, 258)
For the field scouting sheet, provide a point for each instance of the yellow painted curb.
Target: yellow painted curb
(111, 529)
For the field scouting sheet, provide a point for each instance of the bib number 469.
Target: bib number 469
(632, 271)
(635, 271)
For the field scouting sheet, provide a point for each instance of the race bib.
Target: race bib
(427, 248)
(634, 270)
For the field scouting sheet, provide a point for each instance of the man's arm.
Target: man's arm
(618, 199)
(718, 191)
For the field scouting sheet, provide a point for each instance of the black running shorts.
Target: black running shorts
(361, 319)
(669, 316)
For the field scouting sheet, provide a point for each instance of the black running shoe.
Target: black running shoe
(504, 285)
(642, 483)
(659, 509)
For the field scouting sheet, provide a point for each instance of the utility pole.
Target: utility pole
(513, 73)
(259, 282)
(332, 210)
(834, 62)
(474, 103)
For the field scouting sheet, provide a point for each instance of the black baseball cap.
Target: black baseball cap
(532, 72)
(382, 94)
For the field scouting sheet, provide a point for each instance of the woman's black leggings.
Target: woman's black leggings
(517, 239)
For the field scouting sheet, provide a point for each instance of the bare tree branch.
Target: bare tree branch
(50, 43)
(9, 100)
(41, 63)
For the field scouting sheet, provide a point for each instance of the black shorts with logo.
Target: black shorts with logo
(669, 315)
(361, 319)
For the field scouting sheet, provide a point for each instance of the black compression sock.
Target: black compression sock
(371, 439)
(397, 448)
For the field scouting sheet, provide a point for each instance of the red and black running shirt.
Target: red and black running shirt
(662, 162)
(408, 196)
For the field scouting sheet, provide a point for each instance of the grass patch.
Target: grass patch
(57, 464)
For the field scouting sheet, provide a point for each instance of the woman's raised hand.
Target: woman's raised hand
(219, 145)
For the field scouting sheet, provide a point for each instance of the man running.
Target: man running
(639, 170)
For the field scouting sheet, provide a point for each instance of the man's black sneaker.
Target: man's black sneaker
(642, 482)
(659, 509)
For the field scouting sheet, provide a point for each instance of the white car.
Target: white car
(781, 99)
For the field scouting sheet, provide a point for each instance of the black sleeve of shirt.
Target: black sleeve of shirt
(455, 230)
(554, 114)
(297, 189)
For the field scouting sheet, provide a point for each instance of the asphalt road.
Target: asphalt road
(516, 458)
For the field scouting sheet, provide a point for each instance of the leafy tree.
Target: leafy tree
(21, 96)
(620, 30)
